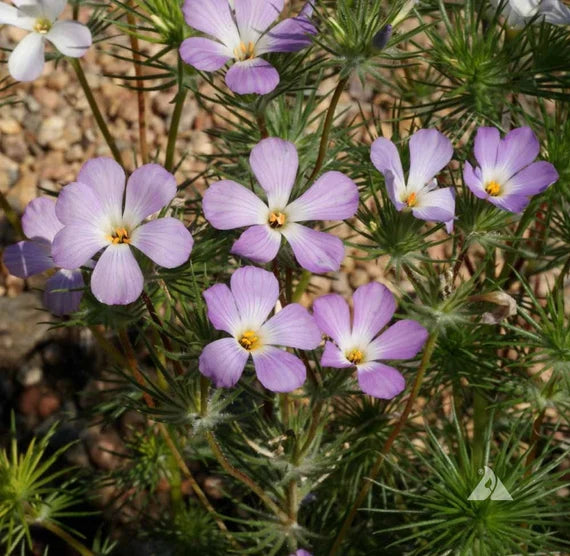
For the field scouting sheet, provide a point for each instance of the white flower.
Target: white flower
(520, 12)
(40, 17)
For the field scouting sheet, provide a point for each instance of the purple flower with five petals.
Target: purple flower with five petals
(360, 346)
(94, 219)
(334, 196)
(26, 258)
(430, 152)
(507, 175)
(243, 34)
(242, 312)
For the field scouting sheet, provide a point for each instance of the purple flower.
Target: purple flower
(334, 196)
(242, 312)
(243, 34)
(506, 175)
(430, 152)
(360, 346)
(27, 258)
(94, 219)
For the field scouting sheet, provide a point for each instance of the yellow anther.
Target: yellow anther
(42, 25)
(249, 340)
(412, 200)
(120, 235)
(493, 188)
(244, 51)
(355, 356)
(276, 219)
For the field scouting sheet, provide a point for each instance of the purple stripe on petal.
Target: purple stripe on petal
(294, 327)
(255, 16)
(532, 180)
(79, 204)
(76, 244)
(214, 18)
(64, 302)
(39, 219)
(374, 306)
(255, 292)
(252, 76)
(438, 205)
(274, 163)
(395, 192)
(228, 205)
(278, 370)
(149, 189)
(333, 196)
(486, 146)
(106, 177)
(332, 315)
(473, 182)
(258, 243)
(518, 149)
(333, 357)
(222, 310)
(430, 152)
(385, 157)
(290, 35)
(166, 241)
(402, 340)
(117, 278)
(380, 381)
(27, 258)
(223, 362)
(315, 251)
(204, 54)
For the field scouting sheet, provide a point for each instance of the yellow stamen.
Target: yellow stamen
(412, 200)
(276, 219)
(355, 356)
(249, 340)
(244, 52)
(120, 235)
(493, 188)
(42, 25)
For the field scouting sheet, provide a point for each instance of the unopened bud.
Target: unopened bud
(381, 38)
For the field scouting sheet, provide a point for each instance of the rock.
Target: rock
(52, 129)
(29, 400)
(341, 284)
(10, 126)
(103, 447)
(48, 404)
(358, 277)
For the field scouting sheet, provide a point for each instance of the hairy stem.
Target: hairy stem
(132, 364)
(175, 122)
(95, 110)
(65, 536)
(428, 351)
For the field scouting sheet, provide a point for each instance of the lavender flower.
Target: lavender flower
(430, 151)
(27, 258)
(334, 196)
(242, 312)
(520, 12)
(507, 175)
(360, 346)
(94, 219)
(243, 34)
(39, 16)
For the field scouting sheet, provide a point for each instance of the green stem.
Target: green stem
(327, 128)
(428, 352)
(11, 215)
(95, 110)
(302, 286)
(480, 422)
(65, 536)
(175, 122)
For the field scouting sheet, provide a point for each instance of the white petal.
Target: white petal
(70, 38)
(12, 16)
(27, 60)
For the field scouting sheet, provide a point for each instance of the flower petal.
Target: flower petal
(555, 12)
(204, 54)
(223, 362)
(278, 370)
(274, 163)
(222, 310)
(294, 327)
(214, 18)
(402, 340)
(149, 189)
(315, 251)
(27, 258)
(255, 16)
(430, 152)
(438, 205)
(76, 243)
(486, 146)
(52, 9)
(334, 196)
(117, 278)
(333, 357)
(518, 149)
(64, 302)
(9, 15)
(290, 35)
(78, 203)
(252, 76)
(166, 241)
(255, 292)
(532, 180)
(228, 205)
(259, 244)
(385, 157)
(332, 316)
(70, 38)
(26, 62)
(380, 381)
(374, 306)
(511, 203)
(473, 182)
(39, 219)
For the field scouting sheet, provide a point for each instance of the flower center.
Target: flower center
(249, 340)
(276, 219)
(355, 356)
(244, 52)
(412, 200)
(120, 235)
(42, 25)
(493, 188)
